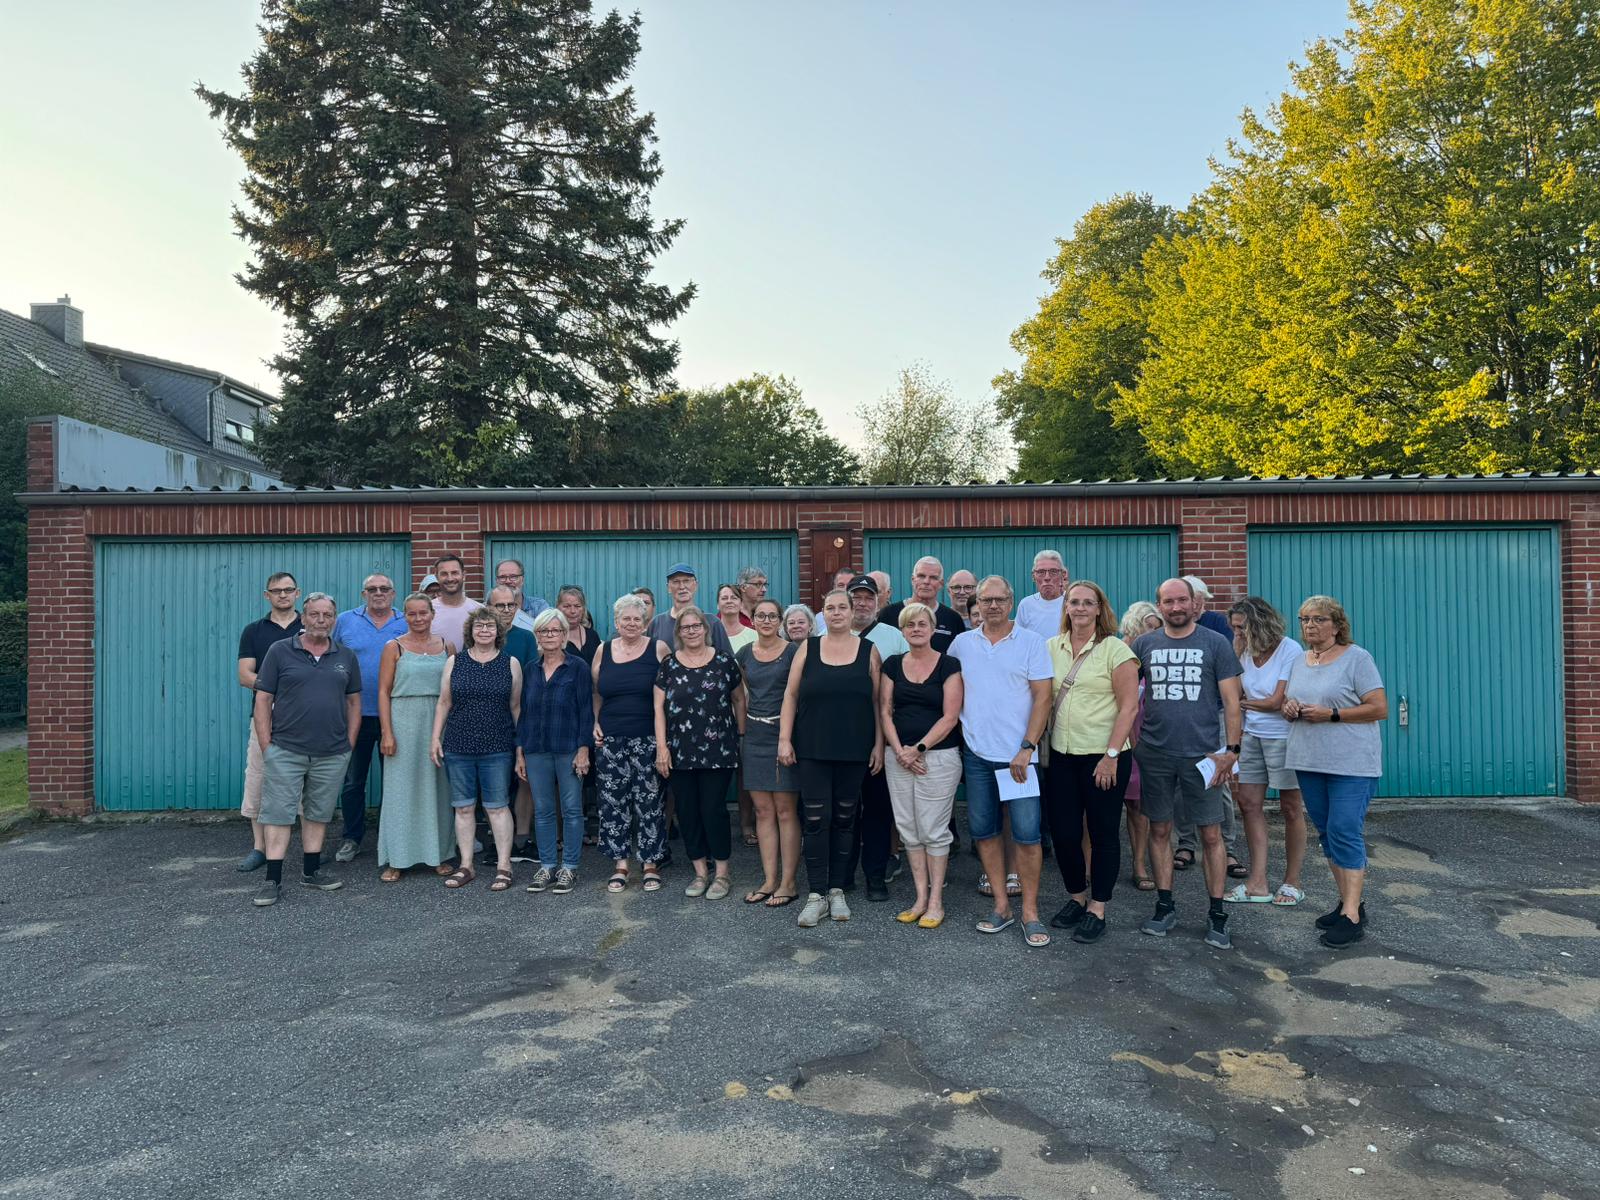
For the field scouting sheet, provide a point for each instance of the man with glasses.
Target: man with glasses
(510, 574)
(752, 587)
(1006, 674)
(280, 622)
(963, 586)
(682, 584)
(520, 645)
(366, 631)
(1041, 612)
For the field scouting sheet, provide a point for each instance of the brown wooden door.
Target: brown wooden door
(831, 550)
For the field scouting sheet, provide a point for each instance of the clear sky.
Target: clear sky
(865, 184)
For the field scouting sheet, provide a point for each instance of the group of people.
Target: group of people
(846, 735)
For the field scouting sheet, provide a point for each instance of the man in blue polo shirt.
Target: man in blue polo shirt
(366, 631)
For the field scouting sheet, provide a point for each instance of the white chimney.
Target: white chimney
(63, 320)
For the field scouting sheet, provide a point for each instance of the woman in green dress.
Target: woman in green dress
(416, 825)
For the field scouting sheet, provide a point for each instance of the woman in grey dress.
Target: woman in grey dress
(772, 786)
(415, 822)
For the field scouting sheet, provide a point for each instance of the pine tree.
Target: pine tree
(449, 202)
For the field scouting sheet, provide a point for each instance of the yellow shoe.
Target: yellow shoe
(907, 916)
(929, 922)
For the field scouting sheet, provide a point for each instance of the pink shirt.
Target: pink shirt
(450, 622)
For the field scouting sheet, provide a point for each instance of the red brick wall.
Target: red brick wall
(1212, 543)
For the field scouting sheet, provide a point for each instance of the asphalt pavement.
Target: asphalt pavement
(161, 1037)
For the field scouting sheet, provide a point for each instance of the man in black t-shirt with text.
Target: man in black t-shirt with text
(281, 621)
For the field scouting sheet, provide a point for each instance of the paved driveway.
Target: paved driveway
(160, 1037)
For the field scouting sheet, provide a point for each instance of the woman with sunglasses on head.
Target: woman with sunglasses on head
(1333, 702)
(773, 786)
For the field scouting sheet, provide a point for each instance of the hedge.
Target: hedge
(13, 638)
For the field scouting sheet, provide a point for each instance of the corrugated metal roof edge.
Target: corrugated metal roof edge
(1246, 485)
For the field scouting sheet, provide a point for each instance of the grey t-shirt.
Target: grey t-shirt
(665, 629)
(1334, 747)
(308, 696)
(1181, 696)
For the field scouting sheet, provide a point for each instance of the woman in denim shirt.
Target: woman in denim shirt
(555, 737)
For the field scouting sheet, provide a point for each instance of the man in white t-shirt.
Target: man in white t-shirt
(1041, 612)
(452, 606)
(1006, 674)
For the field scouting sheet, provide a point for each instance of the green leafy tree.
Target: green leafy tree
(1086, 341)
(919, 432)
(758, 430)
(1399, 267)
(449, 202)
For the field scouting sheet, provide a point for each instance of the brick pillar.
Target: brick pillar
(42, 455)
(1580, 605)
(60, 661)
(448, 529)
(1212, 544)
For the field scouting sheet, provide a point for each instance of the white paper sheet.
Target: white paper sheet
(1010, 789)
(1208, 767)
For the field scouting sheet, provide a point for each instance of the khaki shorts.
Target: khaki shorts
(1261, 761)
(254, 774)
(301, 783)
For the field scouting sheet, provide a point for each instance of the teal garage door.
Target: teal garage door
(170, 717)
(1129, 564)
(1465, 625)
(606, 567)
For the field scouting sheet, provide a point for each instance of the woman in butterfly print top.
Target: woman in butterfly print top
(699, 699)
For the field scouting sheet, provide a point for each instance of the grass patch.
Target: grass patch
(13, 781)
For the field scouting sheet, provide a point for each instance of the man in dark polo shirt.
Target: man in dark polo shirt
(280, 622)
(927, 577)
(307, 718)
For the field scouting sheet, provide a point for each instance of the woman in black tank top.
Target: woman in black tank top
(830, 727)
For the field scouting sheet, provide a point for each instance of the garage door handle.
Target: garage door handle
(1405, 711)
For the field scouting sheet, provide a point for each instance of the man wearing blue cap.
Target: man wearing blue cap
(682, 584)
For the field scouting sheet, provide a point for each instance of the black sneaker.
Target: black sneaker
(1091, 929)
(323, 883)
(266, 895)
(1071, 913)
(877, 889)
(897, 863)
(1343, 932)
(1329, 920)
(524, 851)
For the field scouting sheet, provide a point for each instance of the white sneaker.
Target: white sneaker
(812, 913)
(347, 851)
(837, 908)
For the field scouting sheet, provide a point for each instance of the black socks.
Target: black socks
(1219, 911)
(1164, 898)
(313, 861)
(274, 870)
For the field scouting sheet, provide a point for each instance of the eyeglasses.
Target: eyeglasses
(379, 589)
(691, 627)
(766, 616)
(994, 599)
(506, 576)
(544, 629)
(505, 605)
(288, 591)
(1315, 619)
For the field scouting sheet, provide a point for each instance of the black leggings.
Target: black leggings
(830, 793)
(702, 801)
(1071, 795)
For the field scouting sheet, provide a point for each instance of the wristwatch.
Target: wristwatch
(1112, 754)
(1027, 745)
(922, 747)
(1334, 715)
(1234, 750)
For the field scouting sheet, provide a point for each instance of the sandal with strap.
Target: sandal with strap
(1182, 859)
(460, 877)
(618, 882)
(652, 879)
(502, 882)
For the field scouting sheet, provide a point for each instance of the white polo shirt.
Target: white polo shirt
(996, 675)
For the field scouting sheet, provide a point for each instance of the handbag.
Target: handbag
(1061, 694)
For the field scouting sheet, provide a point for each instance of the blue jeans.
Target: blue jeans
(556, 788)
(983, 804)
(1337, 806)
(475, 776)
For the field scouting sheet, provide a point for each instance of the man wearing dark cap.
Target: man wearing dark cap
(682, 584)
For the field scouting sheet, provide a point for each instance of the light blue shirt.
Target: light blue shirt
(887, 639)
(354, 629)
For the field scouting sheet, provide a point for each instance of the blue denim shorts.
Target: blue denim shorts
(983, 804)
(479, 776)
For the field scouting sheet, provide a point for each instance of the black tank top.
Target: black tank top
(834, 719)
(627, 695)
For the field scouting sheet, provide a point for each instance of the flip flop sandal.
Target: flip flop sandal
(1035, 935)
(1238, 895)
(390, 875)
(502, 882)
(460, 878)
(757, 897)
(618, 882)
(779, 901)
(996, 923)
